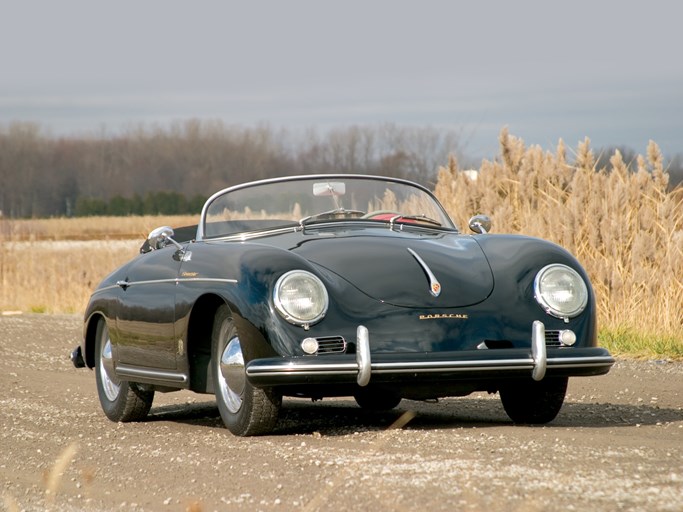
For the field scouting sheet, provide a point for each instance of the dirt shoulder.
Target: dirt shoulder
(617, 444)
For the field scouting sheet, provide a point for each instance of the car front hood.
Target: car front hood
(409, 271)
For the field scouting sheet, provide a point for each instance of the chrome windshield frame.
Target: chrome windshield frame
(201, 227)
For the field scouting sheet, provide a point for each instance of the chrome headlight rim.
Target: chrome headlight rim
(281, 307)
(554, 309)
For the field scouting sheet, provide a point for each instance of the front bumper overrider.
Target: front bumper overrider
(489, 364)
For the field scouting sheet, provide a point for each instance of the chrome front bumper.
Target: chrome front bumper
(463, 365)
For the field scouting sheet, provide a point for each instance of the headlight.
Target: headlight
(561, 291)
(300, 297)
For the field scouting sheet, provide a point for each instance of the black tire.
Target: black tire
(532, 402)
(120, 400)
(245, 410)
(376, 400)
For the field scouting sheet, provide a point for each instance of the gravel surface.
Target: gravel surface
(617, 444)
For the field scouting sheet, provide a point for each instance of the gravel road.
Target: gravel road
(617, 444)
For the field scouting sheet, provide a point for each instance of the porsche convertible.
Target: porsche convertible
(339, 286)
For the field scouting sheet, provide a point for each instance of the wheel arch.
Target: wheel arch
(90, 338)
(199, 339)
(200, 326)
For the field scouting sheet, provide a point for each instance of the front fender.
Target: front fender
(515, 260)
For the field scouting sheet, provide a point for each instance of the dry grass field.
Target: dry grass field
(52, 265)
(624, 227)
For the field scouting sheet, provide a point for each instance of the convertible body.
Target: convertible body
(339, 285)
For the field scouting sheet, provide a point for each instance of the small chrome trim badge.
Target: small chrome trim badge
(434, 285)
(444, 316)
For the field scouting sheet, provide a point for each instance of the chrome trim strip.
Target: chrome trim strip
(581, 362)
(124, 371)
(520, 364)
(128, 284)
(314, 369)
(429, 366)
(363, 356)
(538, 352)
(106, 288)
(206, 280)
(432, 366)
(410, 366)
(434, 285)
(453, 369)
(178, 280)
(248, 235)
(309, 373)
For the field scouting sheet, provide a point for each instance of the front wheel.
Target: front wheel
(534, 402)
(245, 410)
(120, 400)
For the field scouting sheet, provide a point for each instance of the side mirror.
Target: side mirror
(160, 237)
(480, 224)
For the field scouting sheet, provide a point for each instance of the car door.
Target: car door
(146, 311)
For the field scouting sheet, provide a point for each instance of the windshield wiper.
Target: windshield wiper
(335, 214)
(419, 218)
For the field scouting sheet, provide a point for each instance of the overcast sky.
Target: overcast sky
(612, 71)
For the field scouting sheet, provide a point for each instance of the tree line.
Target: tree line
(167, 170)
(172, 169)
(152, 203)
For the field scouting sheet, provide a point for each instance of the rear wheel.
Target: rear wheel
(121, 401)
(534, 402)
(245, 410)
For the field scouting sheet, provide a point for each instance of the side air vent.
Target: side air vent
(552, 339)
(331, 345)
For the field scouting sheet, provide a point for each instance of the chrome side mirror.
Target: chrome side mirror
(160, 237)
(480, 224)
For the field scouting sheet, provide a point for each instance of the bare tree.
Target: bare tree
(44, 176)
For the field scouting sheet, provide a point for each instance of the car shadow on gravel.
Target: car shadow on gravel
(201, 413)
(343, 417)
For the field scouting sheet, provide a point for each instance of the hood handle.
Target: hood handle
(434, 285)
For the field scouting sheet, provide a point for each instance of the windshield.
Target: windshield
(307, 200)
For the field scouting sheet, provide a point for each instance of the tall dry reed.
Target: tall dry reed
(622, 225)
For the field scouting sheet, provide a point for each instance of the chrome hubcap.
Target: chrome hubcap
(231, 375)
(110, 383)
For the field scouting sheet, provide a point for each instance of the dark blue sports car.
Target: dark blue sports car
(339, 285)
